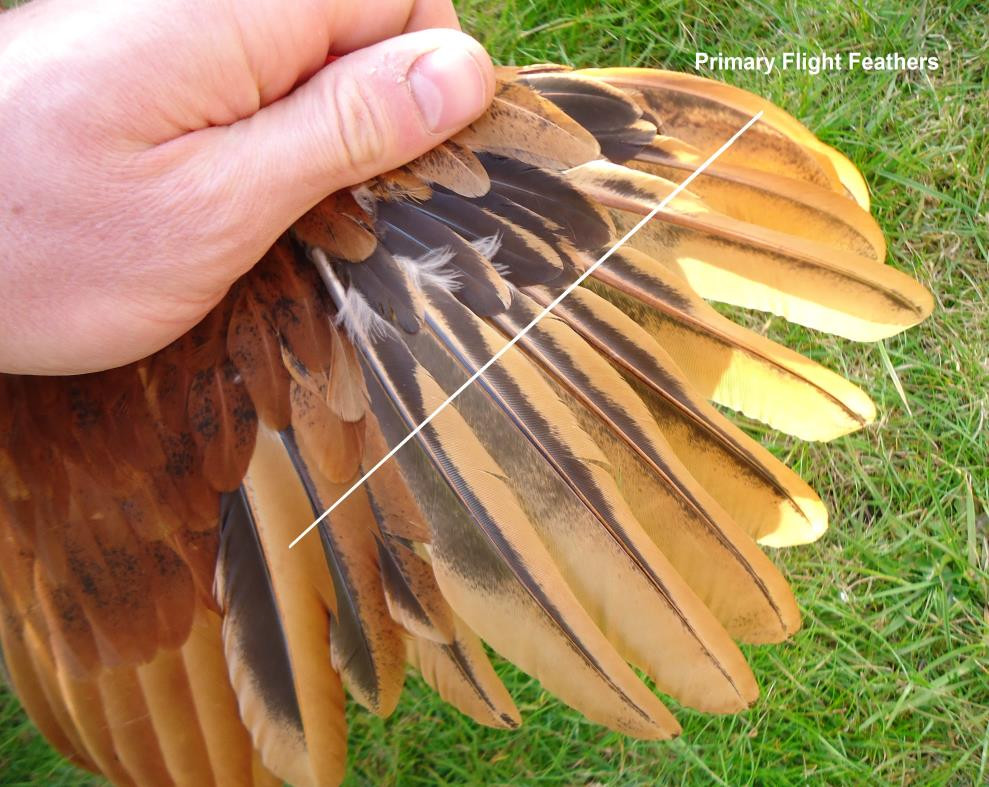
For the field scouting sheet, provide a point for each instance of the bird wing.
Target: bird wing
(581, 509)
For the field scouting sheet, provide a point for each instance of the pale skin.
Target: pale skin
(152, 150)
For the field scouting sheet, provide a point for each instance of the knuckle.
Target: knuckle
(359, 128)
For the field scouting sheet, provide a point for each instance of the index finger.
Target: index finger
(360, 24)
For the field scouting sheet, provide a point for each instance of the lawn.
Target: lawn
(887, 681)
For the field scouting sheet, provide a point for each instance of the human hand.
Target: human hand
(152, 150)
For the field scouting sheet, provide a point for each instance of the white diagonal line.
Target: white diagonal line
(535, 320)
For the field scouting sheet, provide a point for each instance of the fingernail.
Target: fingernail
(448, 87)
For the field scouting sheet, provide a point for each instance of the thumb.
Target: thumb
(366, 113)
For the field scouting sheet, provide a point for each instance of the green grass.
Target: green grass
(887, 682)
